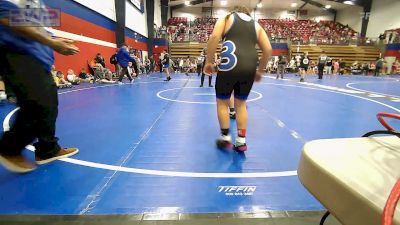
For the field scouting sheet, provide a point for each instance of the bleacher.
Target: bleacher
(349, 54)
(323, 33)
(304, 31)
(179, 50)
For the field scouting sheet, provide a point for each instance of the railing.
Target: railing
(195, 38)
(312, 41)
(328, 41)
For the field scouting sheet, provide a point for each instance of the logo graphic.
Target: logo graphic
(35, 17)
(237, 190)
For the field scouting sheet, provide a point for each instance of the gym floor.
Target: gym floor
(148, 154)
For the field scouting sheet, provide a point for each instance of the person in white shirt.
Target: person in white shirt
(181, 65)
(292, 65)
(131, 70)
(72, 78)
(186, 66)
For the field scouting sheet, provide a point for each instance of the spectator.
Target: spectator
(328, 66)
(281, 66)
(396, 67)
(292, 65)
(123, 59)
(136, 66)
(378, 66)
(114, 61)
(186, 65)
(175, 66)
(200, 61)
(72, 78)
(85, 77)
(100, 59)
(108, 78)
(105, 78)
(298, 60)
(152, 64)
(322, 60)
(269, 66)
(160, 64)
(364, 68)
(356, 68)
(147, 65)
(99, 72)
(53, 71)
(156, 33)
(336, 67)
(342, 67)
(60, 81)
(139, 65)
(131, 70)
(180, 65)
(371, 67)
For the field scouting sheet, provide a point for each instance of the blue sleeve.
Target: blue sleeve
(5, 7)
(126, 53)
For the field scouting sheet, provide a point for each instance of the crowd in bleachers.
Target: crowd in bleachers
(182, 30)
(303, 31)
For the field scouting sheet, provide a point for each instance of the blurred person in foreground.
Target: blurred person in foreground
(33, 47)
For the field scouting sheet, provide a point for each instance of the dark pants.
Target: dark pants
(202, 79)
(116, 66)
(320, 71)
(377, 71)
(124, 71)
(199, 68)
(203, 74)
(37, 97)
(152, 68)
(280, 71)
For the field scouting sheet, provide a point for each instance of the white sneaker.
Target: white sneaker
(132, 81)
(120, 83)
(224, 142)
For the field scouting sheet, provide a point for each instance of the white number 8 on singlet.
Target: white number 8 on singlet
(228, 57)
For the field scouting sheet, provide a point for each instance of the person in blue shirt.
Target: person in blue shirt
(26, 58)
(123, 59)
